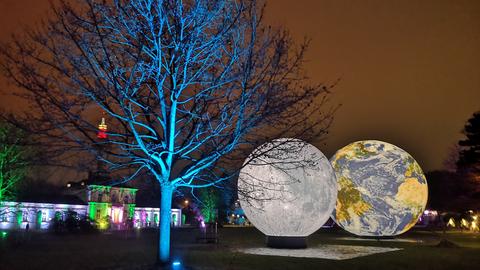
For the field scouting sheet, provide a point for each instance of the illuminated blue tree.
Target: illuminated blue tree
(187, 86)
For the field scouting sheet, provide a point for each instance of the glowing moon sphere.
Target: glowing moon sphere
(288, 189)
(382, 190)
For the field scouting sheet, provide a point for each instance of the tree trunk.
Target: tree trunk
(163, 255)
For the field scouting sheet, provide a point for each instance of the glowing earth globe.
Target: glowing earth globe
(382, 190)
(287, 190)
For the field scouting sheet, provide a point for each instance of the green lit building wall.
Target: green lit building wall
(98, 210)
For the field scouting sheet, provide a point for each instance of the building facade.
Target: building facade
(106, 206)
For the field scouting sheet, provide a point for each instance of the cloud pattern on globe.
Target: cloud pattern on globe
(287, 188)
(382, 190)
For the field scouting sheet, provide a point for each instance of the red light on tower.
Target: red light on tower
(102, 130)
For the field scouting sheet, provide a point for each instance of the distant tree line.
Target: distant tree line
(457, 187)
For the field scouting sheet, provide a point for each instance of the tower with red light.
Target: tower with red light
(102, 130)
(101, 173)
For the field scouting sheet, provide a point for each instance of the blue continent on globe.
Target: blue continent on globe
(382, 190)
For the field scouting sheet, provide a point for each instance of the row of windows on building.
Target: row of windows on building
(4, 217)
(26, 216)
(105, 197)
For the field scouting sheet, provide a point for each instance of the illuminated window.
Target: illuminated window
(174, 219)
(58, 216)
(3, 217)
(44, 216)
(25, 216)
(117, 214)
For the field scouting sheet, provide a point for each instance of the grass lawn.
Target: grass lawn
(136, 250)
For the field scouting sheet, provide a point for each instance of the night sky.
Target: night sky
(409, 70)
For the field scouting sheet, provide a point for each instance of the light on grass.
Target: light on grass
(451, 223)
(103, 225)
(464, 223)
(176, 263)
(4, 234)
(474, 226)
